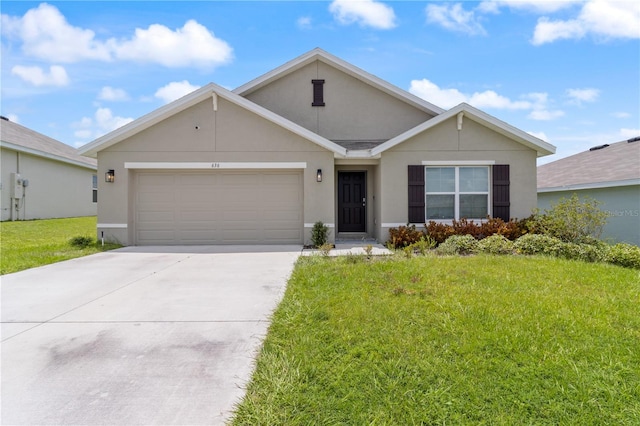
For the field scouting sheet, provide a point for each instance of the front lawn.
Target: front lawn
(450, 340)
(27, 244)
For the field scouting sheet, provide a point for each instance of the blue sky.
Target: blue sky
(565, 71)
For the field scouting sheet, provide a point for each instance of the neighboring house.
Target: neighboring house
(607, 173)
(43, 178)
(316, 139)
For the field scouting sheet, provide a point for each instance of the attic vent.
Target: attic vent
(636, 139)
(2, 117)
(595, 148)
(318, 92)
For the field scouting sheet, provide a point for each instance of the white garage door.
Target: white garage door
(218, 207)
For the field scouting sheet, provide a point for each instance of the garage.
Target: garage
(218, 207)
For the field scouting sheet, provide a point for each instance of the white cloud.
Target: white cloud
(367, 13)
(13, 118)
(57, 75)
(539, 135)
(620, 114)
(545, 115)
(102, 122)
(46, 34)
(600, 18)
(191, 45)
(448, 98)
(535, 6)
(175, 90)
(578, 96)
(303, 22)
(108, 93)
(629, 133)
(454, 18)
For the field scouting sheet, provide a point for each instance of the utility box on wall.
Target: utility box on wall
(17, 189)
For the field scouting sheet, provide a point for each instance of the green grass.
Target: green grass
(475, 340)
(27, 244)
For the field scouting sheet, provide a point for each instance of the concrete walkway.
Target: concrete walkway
(140, 335)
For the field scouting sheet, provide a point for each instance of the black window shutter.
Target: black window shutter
(318, 92)
(501, 201)
(416, 194)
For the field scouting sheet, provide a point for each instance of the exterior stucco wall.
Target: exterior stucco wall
(445, 143)
(230, 134)
(622, 203)
(55, 189)
(353, 110)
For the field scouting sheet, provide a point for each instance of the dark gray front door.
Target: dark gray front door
(352, 193)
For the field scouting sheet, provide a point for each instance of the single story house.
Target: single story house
(43, 178)
(608, 173)
(316, 139)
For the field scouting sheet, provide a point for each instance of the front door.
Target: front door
(352, 201)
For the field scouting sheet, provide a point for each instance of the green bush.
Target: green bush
(571, 220)
(537, 244)
(458, 244)
(584, 252)
(81, 242)
(496, 244)
(319, 234)
(624, 254)
(422, 246)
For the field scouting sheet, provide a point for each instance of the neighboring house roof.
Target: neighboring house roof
(464, 111)
(617, 164)
(211, 90)
(19, 138)
(318, 54)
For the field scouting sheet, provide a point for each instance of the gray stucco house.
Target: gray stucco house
(43, 178)
(316, 139)
(608, 173)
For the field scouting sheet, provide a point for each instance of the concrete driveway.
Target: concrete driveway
(140, 335)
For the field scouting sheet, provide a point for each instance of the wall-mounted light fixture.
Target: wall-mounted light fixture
(319, 176)
(110, 176)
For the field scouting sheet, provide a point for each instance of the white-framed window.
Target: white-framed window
(456, 192)
(94, 185)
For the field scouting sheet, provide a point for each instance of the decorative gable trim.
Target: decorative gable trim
(541, 147)
(318, 54)
(214, 91)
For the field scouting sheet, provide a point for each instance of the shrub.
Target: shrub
(439, 231)
(425, 244)
(491, 226)
(319, 234)
(81, 242)
(624, 254)
(458, 244)
(584, 252)
(404, 236)
(571, 220)
(537, 244)
(496, 244)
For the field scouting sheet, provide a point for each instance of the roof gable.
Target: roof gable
(212, 91)
(22, 139)
(318, 54)
(463, 111)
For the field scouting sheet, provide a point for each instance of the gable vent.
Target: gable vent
(318, 92)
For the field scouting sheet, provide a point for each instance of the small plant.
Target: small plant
(571, 220)
(81, 242)
(325, 249)
(425, 244)
(319, 234)
(458, 244)
(404, 236)
(496, 244)
(533, 244)
(368, 249)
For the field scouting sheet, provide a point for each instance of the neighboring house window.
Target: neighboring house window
(456, 192)
(318, 92)
(95, 188)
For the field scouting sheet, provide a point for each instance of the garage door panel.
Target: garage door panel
(218, 207)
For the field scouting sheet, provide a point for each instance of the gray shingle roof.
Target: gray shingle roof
(617, 162)
(15, 136)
